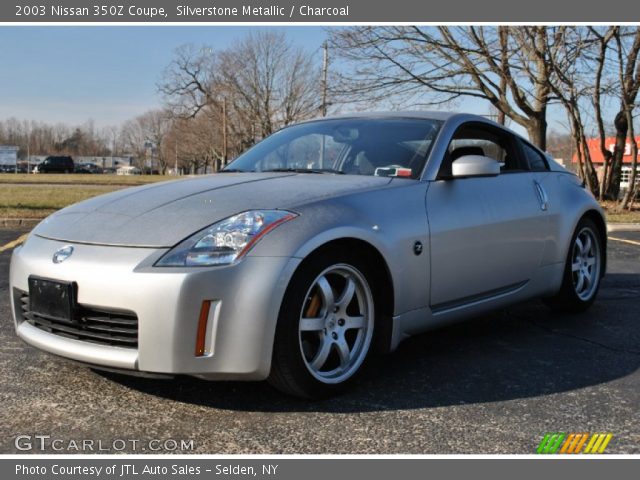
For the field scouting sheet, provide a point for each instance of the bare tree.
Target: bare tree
(46, 139)
(576, 68)
(262, 83)
(602, 47)
(629, 75)
(147, 132)
(189, 82)
(270, 81)
(157, 123)
(192, 148)
(133, 139)
(630, 83)
(506, 66)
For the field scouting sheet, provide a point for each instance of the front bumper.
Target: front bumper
(245, 300)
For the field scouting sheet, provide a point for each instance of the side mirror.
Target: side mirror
(475, 166)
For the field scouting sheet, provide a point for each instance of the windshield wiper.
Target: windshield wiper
(306, 170)
(232, 170)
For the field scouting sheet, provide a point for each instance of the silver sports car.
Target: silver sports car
(327, 241)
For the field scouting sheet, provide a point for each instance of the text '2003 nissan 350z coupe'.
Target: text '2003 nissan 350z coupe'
(325, 242)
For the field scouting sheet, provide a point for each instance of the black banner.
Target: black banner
(315, 11)
(316, 468)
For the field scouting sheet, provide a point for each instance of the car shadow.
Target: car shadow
(520, 352)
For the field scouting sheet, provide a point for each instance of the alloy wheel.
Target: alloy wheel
(585, 264)
(336, 324)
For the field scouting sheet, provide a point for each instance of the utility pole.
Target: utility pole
(224, 131)
(29, 151)
(325, 67)
(323, 105)
(113, 146)
(176, 164)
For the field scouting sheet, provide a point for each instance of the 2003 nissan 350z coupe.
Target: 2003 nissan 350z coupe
(326, 241)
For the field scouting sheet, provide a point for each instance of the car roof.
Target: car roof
(422, 114)
(412, 114)
(434, 115)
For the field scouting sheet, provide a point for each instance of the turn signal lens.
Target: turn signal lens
(201, 336)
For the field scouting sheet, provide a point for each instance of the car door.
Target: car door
(487, 234)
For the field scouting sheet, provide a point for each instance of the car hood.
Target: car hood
(161, 215)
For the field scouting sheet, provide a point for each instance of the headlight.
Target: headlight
(226, 241)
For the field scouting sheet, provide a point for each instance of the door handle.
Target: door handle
(542, 196)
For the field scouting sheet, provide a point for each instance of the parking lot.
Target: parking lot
(496, 384)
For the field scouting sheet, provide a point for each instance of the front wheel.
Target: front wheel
(583, 270)
(325, 327)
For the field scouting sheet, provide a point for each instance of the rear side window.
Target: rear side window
(536, 161)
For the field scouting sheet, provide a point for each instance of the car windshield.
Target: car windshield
(396, 147)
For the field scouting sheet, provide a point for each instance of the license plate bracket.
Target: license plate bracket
(52, 298)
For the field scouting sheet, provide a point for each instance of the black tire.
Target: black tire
(291, 371)
(570, 298)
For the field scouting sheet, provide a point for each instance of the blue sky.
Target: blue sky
(110, 74)
(107, 74)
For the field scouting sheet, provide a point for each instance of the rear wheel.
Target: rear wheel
(325, 327)
(583, 270)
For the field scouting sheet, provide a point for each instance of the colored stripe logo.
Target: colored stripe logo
(574, 443)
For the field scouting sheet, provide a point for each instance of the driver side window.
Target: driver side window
(481, 139)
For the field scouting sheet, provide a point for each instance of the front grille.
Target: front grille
(114, 328)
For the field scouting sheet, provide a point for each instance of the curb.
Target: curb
(623, 227)
(19, 222)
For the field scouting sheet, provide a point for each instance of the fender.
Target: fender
(372, 218)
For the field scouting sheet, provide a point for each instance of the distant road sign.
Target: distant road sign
(8, 155)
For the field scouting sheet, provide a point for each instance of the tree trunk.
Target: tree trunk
(622, 127)
(537, 131)
(606, 173)
(631, 190)
(590, 174)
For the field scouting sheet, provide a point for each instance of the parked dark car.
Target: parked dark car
(58, 164)
(88, 168)
(19, 168)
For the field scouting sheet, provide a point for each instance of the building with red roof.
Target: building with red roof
(598, 159)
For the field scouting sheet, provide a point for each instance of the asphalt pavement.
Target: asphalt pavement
(495, 384)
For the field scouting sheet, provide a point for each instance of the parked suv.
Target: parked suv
(60, 164)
